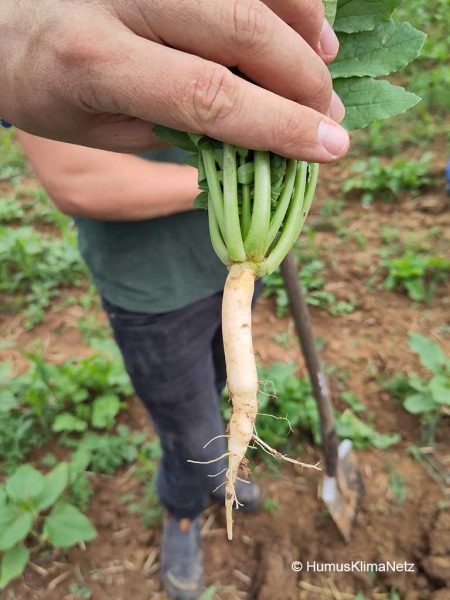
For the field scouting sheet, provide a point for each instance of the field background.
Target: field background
(375, 260)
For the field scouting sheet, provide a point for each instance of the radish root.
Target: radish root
(242, 380)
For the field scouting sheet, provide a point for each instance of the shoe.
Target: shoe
(182, 558)
(248, 494)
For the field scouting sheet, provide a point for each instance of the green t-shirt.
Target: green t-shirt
(156, 265)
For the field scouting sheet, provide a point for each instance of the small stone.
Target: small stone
(438, 568)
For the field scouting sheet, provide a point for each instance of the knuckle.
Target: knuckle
(320, 89)
(214, 96)
(288, 127)
(251, 26)
(313, 11)
(76, 49)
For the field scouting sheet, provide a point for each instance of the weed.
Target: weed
(428, 397)
(31, 504)
(417, 273)
(312, 278)
(65, 398)
(271, 506)
(33, 268)
(12, 161)
(374, 178)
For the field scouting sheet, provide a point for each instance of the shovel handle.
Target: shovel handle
(302, 321)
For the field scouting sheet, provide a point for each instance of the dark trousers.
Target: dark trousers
(177, 367)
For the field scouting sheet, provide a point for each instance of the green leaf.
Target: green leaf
(330, 10)
(386, 49)
(440, 389)
(79, 462)
(246, 173)
(419, 403)
(202, 201)
(362, 15)
(191, 160)
(68, 422)
(8, 401)
(55, 483)
(24, 484)
(104, 411)
(5, 371)
(430, 354)
(15, 525)
(13, 564)
(367, 100)
(66, 526)
(180, 139)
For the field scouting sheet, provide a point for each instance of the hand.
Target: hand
(101, 73)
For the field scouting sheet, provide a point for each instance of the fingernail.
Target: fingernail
(329, 44)
(333, 138)
(337, 109)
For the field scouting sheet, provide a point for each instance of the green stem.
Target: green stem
(255, 242)
(246, 211)
(215, 189)
(233, 236)
(283, 202)
(296, 216)
(215, 235)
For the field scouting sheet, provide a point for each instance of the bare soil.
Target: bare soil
(122, 562)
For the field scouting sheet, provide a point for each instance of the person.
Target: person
(101, 73)
(161, 285)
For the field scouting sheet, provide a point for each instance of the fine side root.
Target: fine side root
(276, 454)
(208, 462)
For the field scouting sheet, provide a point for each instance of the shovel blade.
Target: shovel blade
(343, 494)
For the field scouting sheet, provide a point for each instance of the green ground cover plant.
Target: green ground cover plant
(33, 269)
(287, 405)
(61, 399)
(32, 505)
(312, 277)
(12, 161)
(374, 179)
(417, 273)
(426, 396)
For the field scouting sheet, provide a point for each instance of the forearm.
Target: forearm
(109, 186)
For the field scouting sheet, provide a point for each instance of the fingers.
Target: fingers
(307, 17)
(248, 35)
(160, 84)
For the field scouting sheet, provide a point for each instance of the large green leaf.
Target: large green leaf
(13, 564)
(66, 526)
(55, 483)
(330, 10)
(417, 404)
(68, 422)
(24, 484)
(386, 49)
(430, 354)
(440, 389)
(363, 15)
(15, 525)
(367, 100)
(104, 411)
